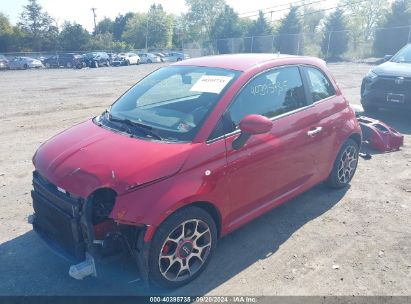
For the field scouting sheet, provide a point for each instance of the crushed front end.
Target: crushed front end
(80, 230)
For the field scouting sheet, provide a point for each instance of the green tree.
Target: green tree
(156, 26)
(37, 25)
(396, 32)
(119, 25)
(73, 37)
(7, 35)
(335, 39)
(201, 17)
(288, 39)
(105, 26)
(226, 26)
(135, 30)
(364, 16)
(260, 26)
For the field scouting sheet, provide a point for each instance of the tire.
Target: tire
(149, 61)
(69, 65)
(25, 66)
(179, 59)
(345, 165)
(138, 61)
(95, 64)
(127, 63)
(182, 249)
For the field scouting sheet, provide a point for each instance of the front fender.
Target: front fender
(203, 179)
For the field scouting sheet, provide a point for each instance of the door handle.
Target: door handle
(314, 132)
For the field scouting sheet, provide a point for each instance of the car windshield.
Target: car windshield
(173, 101)
(404, 55)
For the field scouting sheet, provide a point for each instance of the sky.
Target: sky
(80, 10)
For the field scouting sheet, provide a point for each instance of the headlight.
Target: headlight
(371, 75)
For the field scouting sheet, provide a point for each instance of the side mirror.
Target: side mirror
(251, 125)
(387, 57)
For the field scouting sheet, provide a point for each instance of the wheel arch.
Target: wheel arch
(209, 207)
(356, 137)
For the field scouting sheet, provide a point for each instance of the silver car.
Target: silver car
(175, 56)
(25, 63)
(148, 58)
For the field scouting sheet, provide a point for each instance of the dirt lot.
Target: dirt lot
(365, 229)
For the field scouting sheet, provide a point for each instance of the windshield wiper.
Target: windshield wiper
(146, 130)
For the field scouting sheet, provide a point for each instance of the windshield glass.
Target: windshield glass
(404, 55)
(174, 101)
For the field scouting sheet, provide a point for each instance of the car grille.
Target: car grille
(388, 84)
(57, 218)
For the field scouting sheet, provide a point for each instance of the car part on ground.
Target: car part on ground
(379, 135)
(389, 84)
(176, 162)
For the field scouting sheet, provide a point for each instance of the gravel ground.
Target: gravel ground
(355, 241)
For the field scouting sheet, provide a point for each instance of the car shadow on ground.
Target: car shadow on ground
(28, 267)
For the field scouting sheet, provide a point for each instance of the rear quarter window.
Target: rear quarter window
(319, 85)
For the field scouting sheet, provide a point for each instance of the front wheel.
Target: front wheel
(345, 165)
(182, 247)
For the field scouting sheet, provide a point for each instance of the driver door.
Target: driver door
(272, 165)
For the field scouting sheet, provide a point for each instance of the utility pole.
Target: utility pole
(94, 17)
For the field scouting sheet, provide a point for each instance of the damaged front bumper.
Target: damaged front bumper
(65, 222)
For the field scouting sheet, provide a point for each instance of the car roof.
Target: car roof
(240, 62)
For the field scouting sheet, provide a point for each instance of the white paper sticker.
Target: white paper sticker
(210, 84)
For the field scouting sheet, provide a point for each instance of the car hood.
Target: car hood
(390, 68)
(87, 157)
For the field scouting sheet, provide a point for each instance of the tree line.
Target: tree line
(374, 27)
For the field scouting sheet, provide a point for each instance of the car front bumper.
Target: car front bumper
(386, 92)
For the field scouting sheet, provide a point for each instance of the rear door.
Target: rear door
(277, 164)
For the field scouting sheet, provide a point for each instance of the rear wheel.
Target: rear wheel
(149, 61)
(182, 247)
(25, 66)
(345, 165)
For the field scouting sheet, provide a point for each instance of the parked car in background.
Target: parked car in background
(149, 58)
(25, 63)
(175, 56)
(126, 59)
(190, 153)
(161, 55)
(4, 62)
(389, 84)
(96, 59)
(68, 60)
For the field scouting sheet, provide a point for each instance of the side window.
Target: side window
(270, 94)
(319, 85)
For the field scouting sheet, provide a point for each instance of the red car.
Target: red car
(190, 153)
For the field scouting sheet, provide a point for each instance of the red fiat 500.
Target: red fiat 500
(189, 154)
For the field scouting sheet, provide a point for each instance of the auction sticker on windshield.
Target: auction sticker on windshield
(210, 84)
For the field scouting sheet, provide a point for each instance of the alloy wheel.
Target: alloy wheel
(185, 250)
(347, 165)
